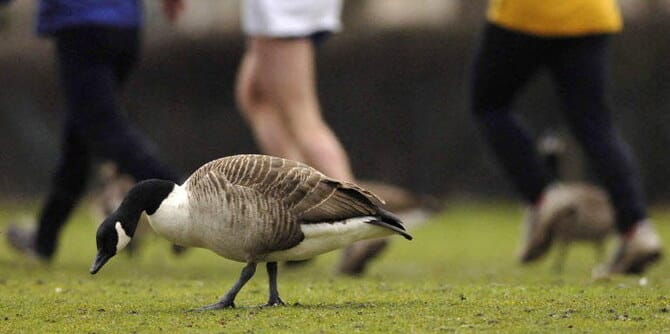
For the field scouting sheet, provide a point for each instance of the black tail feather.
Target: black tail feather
(392, 222)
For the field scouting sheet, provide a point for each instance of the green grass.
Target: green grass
(458, 275)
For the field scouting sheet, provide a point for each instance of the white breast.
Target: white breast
(205, 224)
(172, 218)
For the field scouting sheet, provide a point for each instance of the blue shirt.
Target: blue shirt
(54, 15)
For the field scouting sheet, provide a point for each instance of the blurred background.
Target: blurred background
(393, 85)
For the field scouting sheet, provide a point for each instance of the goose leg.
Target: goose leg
(559, 263)
(274, 299)
(600, 250)
(228, 300)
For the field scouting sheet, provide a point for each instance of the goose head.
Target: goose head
(118, 229)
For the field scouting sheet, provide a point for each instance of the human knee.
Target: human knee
(250, 95)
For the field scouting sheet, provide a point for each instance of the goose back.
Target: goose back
(577, 211)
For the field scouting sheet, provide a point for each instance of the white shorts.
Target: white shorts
(290, 18)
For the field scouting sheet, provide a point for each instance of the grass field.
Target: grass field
(458, 275)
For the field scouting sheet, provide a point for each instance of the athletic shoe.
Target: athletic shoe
(22, 239)
(635, 252)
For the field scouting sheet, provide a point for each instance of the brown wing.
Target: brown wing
(286, 192)
(332, 200)
(307, 193)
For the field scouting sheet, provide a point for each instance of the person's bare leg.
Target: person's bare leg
(289, 81)
(286, 76)
(262, 116)
(277, 91)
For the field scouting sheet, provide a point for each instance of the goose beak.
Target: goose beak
(100, 261)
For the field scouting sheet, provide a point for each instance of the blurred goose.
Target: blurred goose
(570, 211)
(251, 209)
(576, 212)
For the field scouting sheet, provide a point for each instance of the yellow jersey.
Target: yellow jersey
(556, 17)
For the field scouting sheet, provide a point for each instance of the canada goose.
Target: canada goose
(576, 212)
(413, 209)
(571, 211)
(250, 208)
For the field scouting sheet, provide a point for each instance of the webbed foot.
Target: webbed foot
(217, 306)
(275, 302)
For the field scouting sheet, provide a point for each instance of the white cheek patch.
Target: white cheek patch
(123, 238)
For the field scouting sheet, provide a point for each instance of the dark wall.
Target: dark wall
(397, 100)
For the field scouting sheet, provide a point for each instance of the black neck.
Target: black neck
(145, 196)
